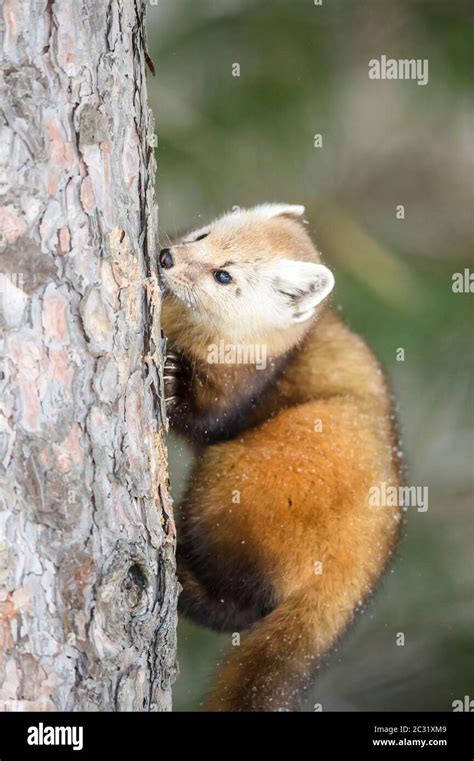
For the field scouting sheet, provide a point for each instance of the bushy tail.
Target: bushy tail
(277, 659)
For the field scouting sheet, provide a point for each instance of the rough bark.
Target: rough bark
(87, 575)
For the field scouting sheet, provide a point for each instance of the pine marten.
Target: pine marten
(293, 425)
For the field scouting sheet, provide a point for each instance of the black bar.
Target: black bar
(153, 735)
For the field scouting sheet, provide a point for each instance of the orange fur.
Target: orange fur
(286, 492)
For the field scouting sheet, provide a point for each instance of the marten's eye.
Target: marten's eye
(222, 276)
(201, 237)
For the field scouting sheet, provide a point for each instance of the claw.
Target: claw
(174, 372)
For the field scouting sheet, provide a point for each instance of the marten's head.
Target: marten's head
(249, 275)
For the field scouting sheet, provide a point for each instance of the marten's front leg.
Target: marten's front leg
(177, 379)
(191, 392)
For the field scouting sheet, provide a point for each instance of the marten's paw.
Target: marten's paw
(174, 378)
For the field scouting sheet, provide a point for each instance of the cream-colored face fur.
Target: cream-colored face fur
(276, 279)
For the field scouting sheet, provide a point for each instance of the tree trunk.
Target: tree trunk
(87, 575)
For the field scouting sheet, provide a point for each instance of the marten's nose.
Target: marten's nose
(166, 260)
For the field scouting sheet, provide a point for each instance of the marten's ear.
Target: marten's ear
(271, 210)
(303, 285)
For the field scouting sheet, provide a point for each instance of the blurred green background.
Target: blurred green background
(226, 141)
